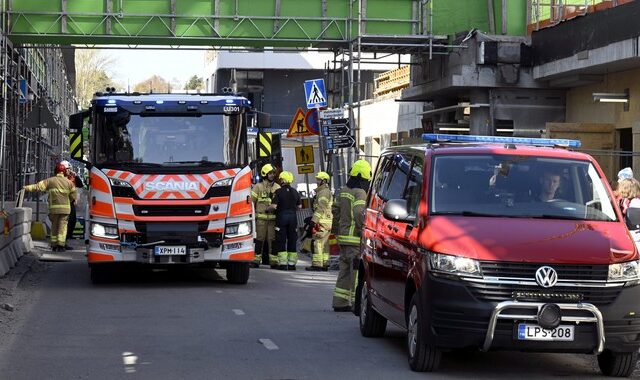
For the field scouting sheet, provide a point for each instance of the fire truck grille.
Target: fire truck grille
(173, 210)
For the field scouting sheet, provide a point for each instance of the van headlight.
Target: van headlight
(237, 229)
(104, 230)
(458, 265)
(629, 271)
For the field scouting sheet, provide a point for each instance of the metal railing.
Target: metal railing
(545, 13)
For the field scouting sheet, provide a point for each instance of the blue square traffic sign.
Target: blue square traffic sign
(315, 93)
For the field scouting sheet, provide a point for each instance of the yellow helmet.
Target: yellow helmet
(286, 177)
(323, 176)
(361, 168)
(266, 169)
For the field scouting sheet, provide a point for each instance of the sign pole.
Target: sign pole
(306, 180)
(320, 142)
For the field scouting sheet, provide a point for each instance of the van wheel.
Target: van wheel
(372, 324)
(238, 273)
(618, 364)
(423, 357)
(99, 275)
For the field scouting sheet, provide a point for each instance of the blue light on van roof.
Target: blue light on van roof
(111, 101)
(438, 137)
(159, 101)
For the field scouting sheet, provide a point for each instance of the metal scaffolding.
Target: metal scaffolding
(37, 98)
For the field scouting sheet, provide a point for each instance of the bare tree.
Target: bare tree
(155, 83)
(92, 74)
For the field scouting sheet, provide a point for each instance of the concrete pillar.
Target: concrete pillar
(480, 123)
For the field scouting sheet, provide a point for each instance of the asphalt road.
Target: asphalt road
(194, 325)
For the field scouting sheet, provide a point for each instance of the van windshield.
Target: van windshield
(519, 186)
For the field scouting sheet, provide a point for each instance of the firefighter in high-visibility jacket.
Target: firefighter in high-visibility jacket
(262, 195)
(61, 194)
(321, 224)
(348, 218)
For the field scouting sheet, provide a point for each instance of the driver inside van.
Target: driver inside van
(549, 185)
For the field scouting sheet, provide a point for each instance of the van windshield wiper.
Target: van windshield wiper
(467, 213)
(550, 216)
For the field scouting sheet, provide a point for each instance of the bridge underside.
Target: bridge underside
(322, 24)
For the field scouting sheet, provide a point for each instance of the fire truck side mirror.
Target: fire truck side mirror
(264, 120)
(78, 123)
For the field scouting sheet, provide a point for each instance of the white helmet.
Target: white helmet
(65, 163)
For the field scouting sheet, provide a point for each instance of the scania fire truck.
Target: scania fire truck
(169, 181)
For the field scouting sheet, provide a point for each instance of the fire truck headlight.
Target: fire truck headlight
(120, 183)
(237, 229)
(223, 182)
(104, 231)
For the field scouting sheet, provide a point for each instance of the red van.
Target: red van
(498, 243)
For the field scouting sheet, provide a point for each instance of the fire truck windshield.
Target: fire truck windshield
(169, 140)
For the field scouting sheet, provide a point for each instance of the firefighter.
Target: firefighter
(321, 224)
(262, 194)
(286, 202)
(61, 194)
(348, 220)
(77, 182)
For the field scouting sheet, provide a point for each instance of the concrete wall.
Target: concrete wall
(18, 239)
(580, 107)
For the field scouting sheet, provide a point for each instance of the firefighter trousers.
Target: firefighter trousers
(265, 234)
(286, 237)
(320, 246)
(58, 229)
(344, 292)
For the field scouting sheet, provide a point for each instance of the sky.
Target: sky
(132, 66)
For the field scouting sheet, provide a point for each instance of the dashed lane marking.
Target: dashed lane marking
(238, 312)
(268, 344)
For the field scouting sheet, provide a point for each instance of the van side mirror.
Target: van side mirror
(633, 218)
(396, 210)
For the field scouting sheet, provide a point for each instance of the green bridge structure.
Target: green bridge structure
(34, 33)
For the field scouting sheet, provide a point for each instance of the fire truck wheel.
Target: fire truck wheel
(238, 273)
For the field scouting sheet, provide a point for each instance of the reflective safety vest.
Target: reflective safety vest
(322, 203)
(262, 195)
(61, 193)
(348, 215)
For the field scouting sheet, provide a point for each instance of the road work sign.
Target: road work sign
(304, 155)
(299, 126)
(315, 93)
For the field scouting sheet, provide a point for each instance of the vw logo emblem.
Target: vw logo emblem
(546, 277)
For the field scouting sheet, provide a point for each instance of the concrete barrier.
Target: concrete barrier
(17, 241)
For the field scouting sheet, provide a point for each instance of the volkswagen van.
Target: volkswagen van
(495, 243)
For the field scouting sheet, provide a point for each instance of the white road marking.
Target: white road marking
(238, 312)
(268, 344)
(218, 291)
(129, 360)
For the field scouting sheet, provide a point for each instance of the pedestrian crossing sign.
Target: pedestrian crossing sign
(299, 127)
(315, 93)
